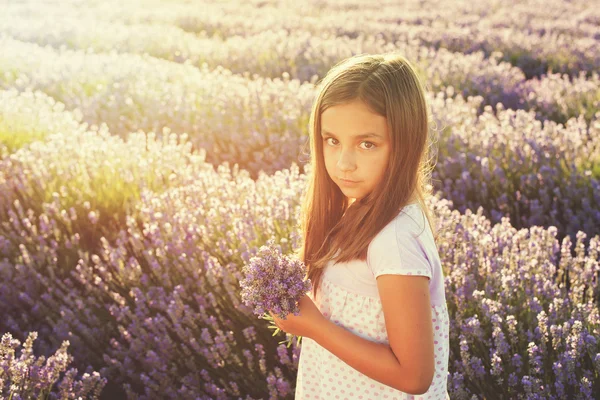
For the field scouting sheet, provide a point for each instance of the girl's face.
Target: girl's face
(356, 147)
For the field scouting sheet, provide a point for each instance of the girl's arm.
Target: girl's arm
(407, 312)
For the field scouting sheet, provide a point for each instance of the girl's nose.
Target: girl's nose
(346, 162)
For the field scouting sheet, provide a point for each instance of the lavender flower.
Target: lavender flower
(26, 377)
(273, 282)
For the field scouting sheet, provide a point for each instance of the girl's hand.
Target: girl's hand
(305, 324)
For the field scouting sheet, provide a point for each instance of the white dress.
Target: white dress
(348, 296)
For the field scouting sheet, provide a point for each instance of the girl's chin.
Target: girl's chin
(350, 193)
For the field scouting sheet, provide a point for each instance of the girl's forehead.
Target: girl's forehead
(350, 106)
(352, 120)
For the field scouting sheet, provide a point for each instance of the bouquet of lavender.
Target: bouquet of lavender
(274, 282)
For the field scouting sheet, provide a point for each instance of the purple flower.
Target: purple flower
(25, 377)
(273, 282)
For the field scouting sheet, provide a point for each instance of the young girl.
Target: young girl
(376, 325)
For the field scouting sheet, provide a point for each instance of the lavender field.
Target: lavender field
(149, 148)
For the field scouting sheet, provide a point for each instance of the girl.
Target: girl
(376, 324)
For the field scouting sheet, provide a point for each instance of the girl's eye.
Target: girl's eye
(371, 147)
(326, 139)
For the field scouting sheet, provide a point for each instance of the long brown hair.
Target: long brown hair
(390, 86)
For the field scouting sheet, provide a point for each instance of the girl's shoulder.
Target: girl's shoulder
(410, 219)
(402, 246)
(408, 228)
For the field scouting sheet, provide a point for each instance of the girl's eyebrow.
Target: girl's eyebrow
(361, 136)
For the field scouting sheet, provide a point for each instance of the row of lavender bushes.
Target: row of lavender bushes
(300, 53)
(535, 43)
(226, 18)
(505, 161)
(257, 122)
(157, 310)
(271, 54)
(253, 121)
(511, 164)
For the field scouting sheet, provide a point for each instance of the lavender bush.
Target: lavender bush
(59, 198)
(524, 311)
(26, 117)
(510, 164)
(559, 97)
(273, 282)
(534, 54)
(124, 294)
(96, 174)
(45, 269)
(205, 259)
(25, 377)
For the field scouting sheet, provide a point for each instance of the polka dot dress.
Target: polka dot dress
(348, 297)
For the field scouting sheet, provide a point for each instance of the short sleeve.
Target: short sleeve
(394, 252)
